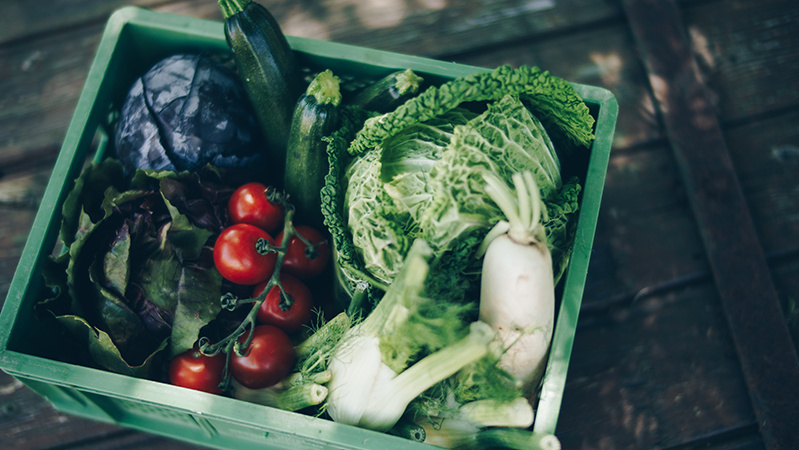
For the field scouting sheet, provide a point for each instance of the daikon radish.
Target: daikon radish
(517, 295)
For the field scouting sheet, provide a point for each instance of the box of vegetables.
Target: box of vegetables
(254, 240)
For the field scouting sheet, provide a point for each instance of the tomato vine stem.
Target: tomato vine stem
(232, 342)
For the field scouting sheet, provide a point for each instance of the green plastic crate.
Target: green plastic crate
(133, 40)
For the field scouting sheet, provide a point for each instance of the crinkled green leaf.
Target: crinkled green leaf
(380, 231)
(409, 156)
(389, 188)
(505, 139)
(550, 96)
(426, 181)
(560, 224)
(346, 255)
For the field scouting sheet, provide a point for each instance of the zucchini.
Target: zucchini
(387, 93)
(316, 116)
(268, 69)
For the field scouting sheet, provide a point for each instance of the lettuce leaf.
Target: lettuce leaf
(137, 282)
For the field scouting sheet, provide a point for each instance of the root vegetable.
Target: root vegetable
(517, 295)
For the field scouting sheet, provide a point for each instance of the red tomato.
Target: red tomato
(297, 315)
(269, 358)
(250, 204)
(302, 261)
(236, 257)
(191, 369)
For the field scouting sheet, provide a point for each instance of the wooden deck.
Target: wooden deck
(690, 320)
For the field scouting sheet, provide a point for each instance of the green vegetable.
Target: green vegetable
(288, 398)
(407, 344)
(509, 438)
(552, 99)
(425, 181)
(333, 192)
(389, 187)
(268, 69)
(517, 291)
(461, 424)
(316, 116)
(414, 175)
(389, 92)
(505, 139)
(138, 280)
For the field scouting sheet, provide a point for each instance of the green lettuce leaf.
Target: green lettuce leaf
(138, 277)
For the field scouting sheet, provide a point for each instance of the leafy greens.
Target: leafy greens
(137, 280)
(415, 172)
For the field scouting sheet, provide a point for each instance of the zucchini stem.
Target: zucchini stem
(325, 88)
(232, 7)
(407, 82)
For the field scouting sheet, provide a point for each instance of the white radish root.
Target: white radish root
(517, 295)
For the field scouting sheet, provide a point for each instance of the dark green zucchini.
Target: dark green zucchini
(387, 93)
(316, 116)
(269, 70)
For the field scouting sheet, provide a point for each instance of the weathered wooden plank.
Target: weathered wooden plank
(25, 19)
(41, 81)
(767, 355)
(658, 372)
(436, 28)
(766, 157)
(646, 233)
(20, 194)
(13, 233)
(746, 51)
(430, 27)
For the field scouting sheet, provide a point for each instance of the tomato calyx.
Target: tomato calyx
(286, 300)
(311, 249)
(276, 196)
(230, 301)
(263, 247)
